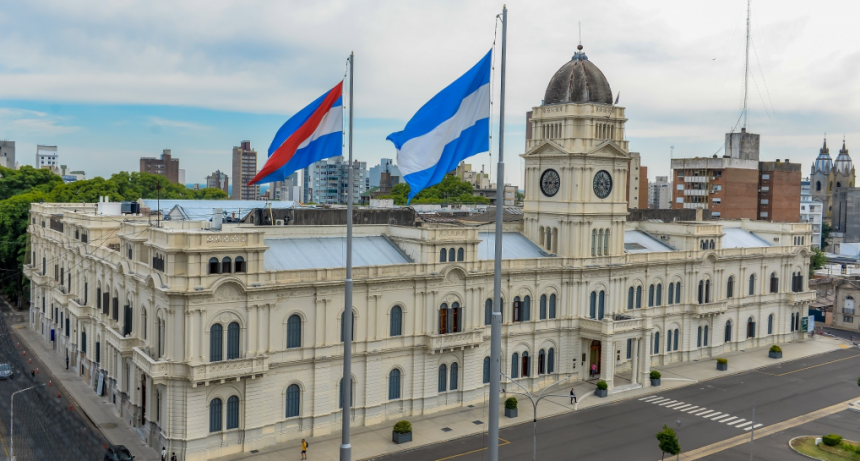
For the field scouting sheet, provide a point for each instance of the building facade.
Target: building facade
(165, 165)
(213, 342)
(7, 155)
(811, 211)
(244, 170)
(828, 179)
(660, 193)
(218, 180)
(47, 157)
(328, 181)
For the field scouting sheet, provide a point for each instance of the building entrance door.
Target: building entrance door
(595, 355)
(143, 400)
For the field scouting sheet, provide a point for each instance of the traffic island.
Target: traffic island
(826, 448)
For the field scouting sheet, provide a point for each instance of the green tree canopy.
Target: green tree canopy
(816, 261)
(668, 441)
(14, 182)
(826, 229)
(450, 190)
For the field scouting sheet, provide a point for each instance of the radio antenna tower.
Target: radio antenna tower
(747, 64)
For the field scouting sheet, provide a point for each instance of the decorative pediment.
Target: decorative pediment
(608, 149)
(548, 148)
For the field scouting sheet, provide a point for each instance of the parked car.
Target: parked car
(6, 371)
(118, 453)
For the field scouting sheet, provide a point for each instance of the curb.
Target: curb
(799, 453)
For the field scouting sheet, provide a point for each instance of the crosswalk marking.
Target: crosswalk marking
(713, 415)
(690, 410)
(675, 406)
(705, 413)
(658, 400)
(667, 403)
(716, 415)
(726, 421)
(685, 406)
(735, 423)
(651, 398)
(754, 427)
(702, 410)
(722, 418)
(748, 423)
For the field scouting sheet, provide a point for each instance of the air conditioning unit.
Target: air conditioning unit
(279, 222)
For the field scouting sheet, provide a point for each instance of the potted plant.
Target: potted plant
(402, 432)
(722, 364)
(601, 389)
(655, 378)
(775, 352)
(511, 407)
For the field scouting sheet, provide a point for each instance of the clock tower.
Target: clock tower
(576, 166)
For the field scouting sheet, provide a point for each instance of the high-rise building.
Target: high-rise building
(244, 170)
(828, 179)
(660, 193)
(811, 212)
(637, 182)
(218, 180)
(326, 181)
(375, 173)
(46, 157)
(7, 154)
(165, 165)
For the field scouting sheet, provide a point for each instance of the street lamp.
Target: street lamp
(535, 402)
(12, 420)
(678, 422)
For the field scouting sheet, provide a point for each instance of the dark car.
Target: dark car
(6, 371)
(118, 453)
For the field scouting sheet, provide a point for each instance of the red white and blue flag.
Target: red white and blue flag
(314, 133)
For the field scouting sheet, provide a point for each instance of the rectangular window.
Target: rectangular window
(765, 177)
(680, 187)
(765, 201)
(765, 188)
(764, 214)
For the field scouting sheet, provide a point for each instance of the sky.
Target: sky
(109, 82)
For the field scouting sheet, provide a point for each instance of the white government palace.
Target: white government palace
(219, 341)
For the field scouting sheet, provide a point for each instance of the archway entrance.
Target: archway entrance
(143, 400)
(595, 356)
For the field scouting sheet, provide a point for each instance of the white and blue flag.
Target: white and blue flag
(452, 126)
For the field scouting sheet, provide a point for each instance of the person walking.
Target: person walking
(173, 456)
(593, 369)
(163, 454)
(572, 396)
(305, 446)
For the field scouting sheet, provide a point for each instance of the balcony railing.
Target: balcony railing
(455, 340)
(124, 345)
(711, 308)
(230, 369)
(152, 368)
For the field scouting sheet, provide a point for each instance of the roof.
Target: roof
(326, 252)
(739, 238)
(514, 246)
(849, 249)
(202, 210)
(639, 242)
(579, 81)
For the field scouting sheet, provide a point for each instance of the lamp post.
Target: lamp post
(678, 422)
(535, 402)
(12, 420)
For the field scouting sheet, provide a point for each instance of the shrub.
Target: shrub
(775, 348)
(832, 440)
(403, 427)
(602, 385)
(655, 374)
(511, 403)
(723, 361)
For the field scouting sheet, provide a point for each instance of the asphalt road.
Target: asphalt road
(625, 430)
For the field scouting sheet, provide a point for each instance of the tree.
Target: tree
(450, 190)
(13, 182)
(668, 441)
(826, 229)
(816, 261)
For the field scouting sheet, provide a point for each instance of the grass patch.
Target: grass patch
(806, 445)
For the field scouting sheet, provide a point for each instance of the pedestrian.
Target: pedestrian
(572, 396)
(593, 369)
(173, 456)
(33, 373)
(163, 454)
(67, 362)
(305, 446)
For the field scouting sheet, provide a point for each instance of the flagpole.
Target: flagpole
(496, 323)
(346, 381)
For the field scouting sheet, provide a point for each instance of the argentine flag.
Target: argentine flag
(452, 126)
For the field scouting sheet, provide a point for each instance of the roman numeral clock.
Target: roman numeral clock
(602, 184)
(549, 182)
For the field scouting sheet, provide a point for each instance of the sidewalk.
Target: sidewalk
(98, 409)
(374, 441)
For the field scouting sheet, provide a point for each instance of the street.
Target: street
(721, 409)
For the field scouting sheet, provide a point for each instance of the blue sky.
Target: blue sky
(109, 82)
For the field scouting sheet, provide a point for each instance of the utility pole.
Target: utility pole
(346, 381)
(747, 64)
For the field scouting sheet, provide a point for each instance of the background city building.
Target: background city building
(165, 165)
(218, 180)
(244, 170)
(327, 181)
(375, 173)
(827, 179)
(811, 212)
(660, 193)
(7, 155)
(47, 157)
(637, 182)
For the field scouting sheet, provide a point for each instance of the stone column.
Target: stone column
(645, 359)
(607, 361)
(634, 372)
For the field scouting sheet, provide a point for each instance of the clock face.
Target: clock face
(602, 184)
(549, 182)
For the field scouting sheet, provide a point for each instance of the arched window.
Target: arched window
(791, 323)
(730, 287)
(838, 184)
(550, 361)
(705, 342)
(677, 331)
(396, 321)
(461, 253)
(669, 341)
(593, 243)
(214, 266)
(515, 365)
(699, 337)
(552, 306)
(707, 291)
(226, 265)
(659, 295)
(293, 400)
(443, 255)
(526, 365)
(233, 341)
(98, 351)
(450, 318)
(770, 324)
(651, 295)
(351, 394)
(678, 292)
(752, 284)
(443, 378)
(216, 340)
(848, 306)
(130, 251)
(601, 298)
(215, 415)
(541, 362)
(817, 185)
(240, 264)
(486, 370)
(774, 283)
(728, 335)
(84, 341)
(600, 242)
(232, 412)
(630, 299)
(639, 297)
(452, 256)
(701, 291)
(527, 308)
(455, 378)
(750, 328)
(542, 308)
(294, 331)
(606, 243)
(711, 244)
(656, 342)
(352, 330)
(592, 306)
(488, 312)
(671, 297)
(797, 321)
(394, 384)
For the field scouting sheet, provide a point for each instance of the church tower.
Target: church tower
(843, 178)
(821, 179)
(576, 165)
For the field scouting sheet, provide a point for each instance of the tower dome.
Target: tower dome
(843, 162)
(579, 82)
(823, 163)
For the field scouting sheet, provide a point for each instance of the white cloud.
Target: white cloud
(21, 122)
(162, 122)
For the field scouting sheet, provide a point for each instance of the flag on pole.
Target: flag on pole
(452, 126)
(314, 133)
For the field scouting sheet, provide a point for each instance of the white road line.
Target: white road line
(700, 411)
(690, 410)
(748, 423)
(725, 418)
(716, 415)
(675, 405)
(705, 413)
(652, 397)
(667, 403)
(685, 406)
(756, 426)
(658, 400)
(736, 422)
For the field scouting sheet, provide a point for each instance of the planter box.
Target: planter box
(601, 392)
(401, 438)
(511, 412)
(775, 355)
(722, 366)
(655, 381)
